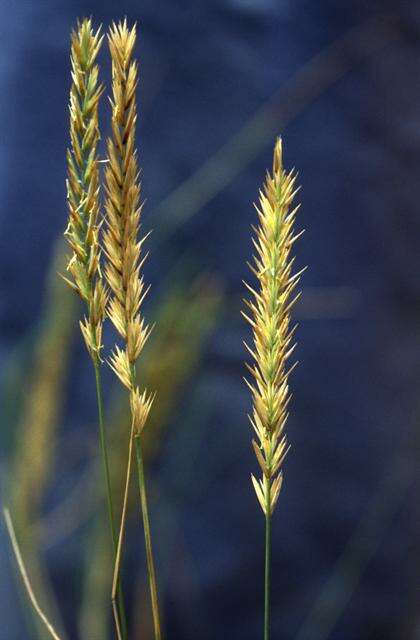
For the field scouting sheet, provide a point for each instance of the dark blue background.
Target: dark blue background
(346, 552)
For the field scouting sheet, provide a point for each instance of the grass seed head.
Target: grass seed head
(122, 246)
(269, 314)
(83, 182)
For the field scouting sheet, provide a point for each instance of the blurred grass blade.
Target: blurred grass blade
(43, 382)
(40, 613)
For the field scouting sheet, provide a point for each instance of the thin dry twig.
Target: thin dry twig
(21, 565)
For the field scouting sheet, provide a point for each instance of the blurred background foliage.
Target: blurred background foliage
(219, 79)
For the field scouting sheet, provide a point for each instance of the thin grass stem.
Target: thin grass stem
(147, 537)
(267, 577)
(116, 578)
(104, 452)
(21, 565)
(107, 476)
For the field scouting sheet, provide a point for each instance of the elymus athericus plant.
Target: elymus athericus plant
(269, 314)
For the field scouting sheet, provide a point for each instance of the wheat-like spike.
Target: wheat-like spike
(124, 262)
(269, 316)
(122, 247)
(83, 182)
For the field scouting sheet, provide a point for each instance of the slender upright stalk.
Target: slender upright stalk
(119, 627)
(147, 537)
(107, 476)
(270, 319)
(104, 451)
(267, 576)
(16, 550)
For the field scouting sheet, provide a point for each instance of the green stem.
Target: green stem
(147, 538)
(107, 475)
(267, 566)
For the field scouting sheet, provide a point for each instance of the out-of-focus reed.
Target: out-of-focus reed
(40, 417)
(43, 399)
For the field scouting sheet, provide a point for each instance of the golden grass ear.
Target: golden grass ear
(124, 261)
(269, 314)
(269, 317)
(122, 247)
(141, 403)
(82, 232)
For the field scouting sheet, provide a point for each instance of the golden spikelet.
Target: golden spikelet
(123, 249)
(269, 318)
(83, 182)
(124, 261)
